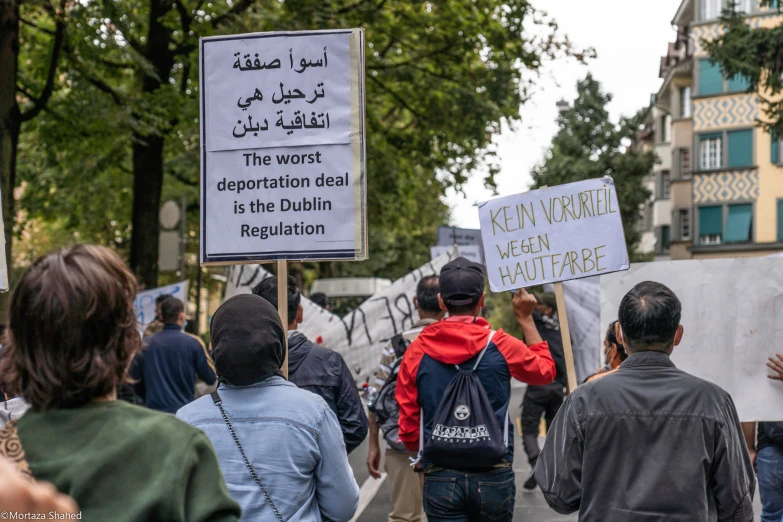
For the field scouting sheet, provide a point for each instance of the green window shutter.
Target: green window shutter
(738, 83)
(665, 237)
(740, 148)
(773, 4)
(710, 221)
(780, 220)
(710, 77)
(773, 147)
(738, 224)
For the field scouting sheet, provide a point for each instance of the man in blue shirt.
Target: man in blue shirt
(167, 367)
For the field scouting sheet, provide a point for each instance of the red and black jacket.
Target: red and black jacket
(428, 367)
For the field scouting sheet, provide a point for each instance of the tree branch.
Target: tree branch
(179, 177)
(411, 60)
(32, 24)
(351, 7)
(237, 8)
(46, 93)
(396, 96)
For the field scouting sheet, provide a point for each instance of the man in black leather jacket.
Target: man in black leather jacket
(648, 442)
(319, 370)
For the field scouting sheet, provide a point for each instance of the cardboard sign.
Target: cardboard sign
(553, 234)
(282, 136)
(470, 252)
(144, 304)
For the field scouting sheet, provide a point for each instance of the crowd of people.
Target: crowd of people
(223, 435)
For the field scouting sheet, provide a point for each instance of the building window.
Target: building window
(710, 9)
(666, 184)
(780, 220)
(665, 237)
(740, 148)
(710, 225)
(738, 83)
(666, 126)
(685, 224)
(711, 153)
(774, 145)
(743, 6)
(710, 77)
(684, 163)
(685, 102)
(739, 224)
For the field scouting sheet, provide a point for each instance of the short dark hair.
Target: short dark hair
(427, 291)
(161, 298)
(649, 316)
(268, 290)
(170, 309)
(463, 309)
(72, 330)
(320, 299)
(611, 338)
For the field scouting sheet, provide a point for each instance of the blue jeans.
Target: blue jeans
(461, 496)
(769, 463)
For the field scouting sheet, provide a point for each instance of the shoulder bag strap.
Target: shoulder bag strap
(219, 403)
(12, 449)
(481, 353)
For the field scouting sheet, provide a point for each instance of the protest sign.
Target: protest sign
(144, 304)
(471, 252)
(732, 320)
(553, 234)
(449, 236)
(282, 136)
(317, 320)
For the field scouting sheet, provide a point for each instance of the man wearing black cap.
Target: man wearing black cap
(427, 369)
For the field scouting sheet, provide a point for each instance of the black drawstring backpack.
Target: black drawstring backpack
(465, 430)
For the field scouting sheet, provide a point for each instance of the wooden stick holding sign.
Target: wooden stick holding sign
(565, 334)
(551, 235)
(282, 307)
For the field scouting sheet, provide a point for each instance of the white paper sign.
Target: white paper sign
(553, 234)
(283, 166)
(470, 252)
(144, 304)
(732, 313)
(448, 236)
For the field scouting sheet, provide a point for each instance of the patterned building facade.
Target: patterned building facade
(724, 184)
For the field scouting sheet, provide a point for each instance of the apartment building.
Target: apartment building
(720, 176)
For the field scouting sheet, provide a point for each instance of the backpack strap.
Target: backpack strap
(481, 353)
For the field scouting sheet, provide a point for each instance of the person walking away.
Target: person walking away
(258, 421)
(672, 440)
(614, 353)
(321, 299)
(72, 335)
(317, 369)
(543, 400)
(404, 484)
(766, 454)
(167, 367)
(157, 324)
(467, 453)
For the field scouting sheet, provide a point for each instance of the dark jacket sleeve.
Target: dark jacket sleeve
(203, 368)
(732, 478)
(137, 374)
(350, 412)
(559, 466)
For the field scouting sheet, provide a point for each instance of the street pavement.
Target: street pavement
(530, 506)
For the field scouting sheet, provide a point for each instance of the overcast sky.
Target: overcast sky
(629, 37)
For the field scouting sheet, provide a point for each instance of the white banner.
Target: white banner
(583, 302)
(553, 234)
(144, 304)
(470, 252)
(732, 313)
(316, 320)
(282, 133)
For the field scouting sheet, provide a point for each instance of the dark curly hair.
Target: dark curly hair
(72, 330)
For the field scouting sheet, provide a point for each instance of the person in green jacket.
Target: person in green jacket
(71, 336)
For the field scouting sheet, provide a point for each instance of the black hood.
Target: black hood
(299, 347)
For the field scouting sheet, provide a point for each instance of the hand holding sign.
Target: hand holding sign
(524, 303)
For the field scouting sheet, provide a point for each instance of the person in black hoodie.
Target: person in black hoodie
(319, 370)
(543, 400)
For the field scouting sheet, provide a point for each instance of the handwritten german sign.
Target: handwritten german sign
(282, 145)
(553, 234)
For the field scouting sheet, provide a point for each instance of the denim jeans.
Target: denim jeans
(769, 463)
(462, 496)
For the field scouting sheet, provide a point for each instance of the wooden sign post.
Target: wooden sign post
(282, 306)
(565, 333)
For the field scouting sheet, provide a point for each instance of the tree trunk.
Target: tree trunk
(10, 117)
(148, 154)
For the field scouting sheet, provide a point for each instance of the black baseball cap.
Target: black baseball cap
(461, 282)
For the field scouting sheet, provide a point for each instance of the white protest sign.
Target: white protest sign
(144, 304)
(283, 163)
(448, 236)
(733, 321)
(470, 252)
(317, 320)
(553, 234)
